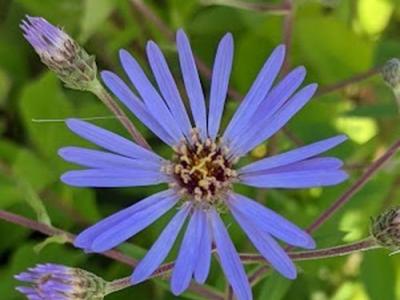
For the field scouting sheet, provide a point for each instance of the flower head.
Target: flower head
(60, 53)
(58, 282)
(386, 228)
(203, 169)
(391, 73)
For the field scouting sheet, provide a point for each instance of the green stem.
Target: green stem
(118, 284)
(108, 101)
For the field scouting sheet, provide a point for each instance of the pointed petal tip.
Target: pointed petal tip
(124, 55)
(180, 32)
(280, 49)
(228, 37)
(291, 274)
(73, 122)
(62, 152)
(342, 138)
(105, 74)
(200, 280)
(176, 290)
(181, 36)
(301, 70)
(135, 279)
(151, 45)
(309, 243)
(81, 243)
(313, 87)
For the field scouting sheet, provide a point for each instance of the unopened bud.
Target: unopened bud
(52, 281)
(386, 229)
(391, 73)
(72, 64)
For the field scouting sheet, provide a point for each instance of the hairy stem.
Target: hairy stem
(341, 250)
(113, 254)
(118, 284)
(109, 102)
(346, 82)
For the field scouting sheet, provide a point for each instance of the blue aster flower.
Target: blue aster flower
(202, 171)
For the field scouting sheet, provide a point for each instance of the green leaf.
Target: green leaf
(63, 13)
(95, 13)
(30, 168)
(378, 275)
(43, 99)
(340, 54)
(275, 287)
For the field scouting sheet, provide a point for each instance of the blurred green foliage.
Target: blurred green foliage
(334, 39)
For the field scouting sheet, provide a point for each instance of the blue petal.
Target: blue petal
(267, 247)
(219, 84)
(295, 179)
(192, 82)
(267, 221)
(316, 163)
(154, 103)
(294, 155)
(135, 105)
(186, 261)
(229, 259)
(160, 249)
(85, 239)
(204, 252)
(256, 94)
(110, 141)
(270, 126)
(135, 222)
(105, 160)
(272, 102)
(168, 87)
(112, 178)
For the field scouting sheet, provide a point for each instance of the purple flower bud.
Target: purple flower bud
(51, 281)
(72, 64)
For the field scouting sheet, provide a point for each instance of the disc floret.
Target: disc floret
(201, 170)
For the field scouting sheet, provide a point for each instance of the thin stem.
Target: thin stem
(258, 274)
(118, 284)
(108, 101)
(355, 187)
(346, 82)
(287, 34)
(341, 250)
(261, 271)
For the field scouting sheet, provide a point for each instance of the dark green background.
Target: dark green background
(335, 40)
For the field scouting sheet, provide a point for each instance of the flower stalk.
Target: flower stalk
(366, 244)
(98, 89)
